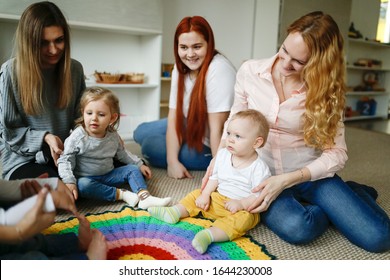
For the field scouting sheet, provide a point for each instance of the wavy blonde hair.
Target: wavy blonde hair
(28, 68)
(324, 75)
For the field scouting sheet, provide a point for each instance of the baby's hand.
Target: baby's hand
(203, 201)
(234, 205)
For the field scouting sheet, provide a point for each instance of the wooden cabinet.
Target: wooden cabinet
(113, 49)
(165, 91)
(363, 99)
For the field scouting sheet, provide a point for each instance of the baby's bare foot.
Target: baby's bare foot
(85, 233)
(97, 249)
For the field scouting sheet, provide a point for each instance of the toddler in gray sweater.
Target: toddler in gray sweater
(87, 163)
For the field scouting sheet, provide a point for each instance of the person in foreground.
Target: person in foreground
(238, 169)
(21, 224)
(87, 163)
(199, 103)
(301, 91)
(40, 92)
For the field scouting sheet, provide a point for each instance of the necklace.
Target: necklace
(241, 163)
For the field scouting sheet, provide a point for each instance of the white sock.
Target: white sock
(153, 201)
(128, 197)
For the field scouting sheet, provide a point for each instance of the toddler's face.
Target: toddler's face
(97, 118)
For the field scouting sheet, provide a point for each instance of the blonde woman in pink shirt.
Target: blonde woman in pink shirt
(301, 92)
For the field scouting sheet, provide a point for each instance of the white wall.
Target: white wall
(243, 28)
(339, 9)
(266, 28)
(135, 13)
(365, 16)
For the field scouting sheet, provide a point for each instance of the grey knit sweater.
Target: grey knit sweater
(22, 135)
(85, 155)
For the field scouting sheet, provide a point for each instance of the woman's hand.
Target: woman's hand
(31, 187)
(146, 171)
(56, 146)
(269, 190)
(178, 171)
(35, 220)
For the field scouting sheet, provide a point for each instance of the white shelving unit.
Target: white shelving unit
(357, 49)
(115, 49)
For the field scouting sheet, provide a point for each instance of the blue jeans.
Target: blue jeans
(104, 187)
(152, 138)
(303, 212)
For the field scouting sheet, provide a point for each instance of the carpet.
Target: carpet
(134, 234)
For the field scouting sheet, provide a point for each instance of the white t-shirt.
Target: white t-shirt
(220, 80)
(238, 183)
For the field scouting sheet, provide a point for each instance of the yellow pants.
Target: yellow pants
(234, 225)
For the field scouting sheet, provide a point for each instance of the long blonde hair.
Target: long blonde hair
(324, 75)
(28, 68)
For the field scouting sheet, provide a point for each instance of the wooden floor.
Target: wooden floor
(378, 125)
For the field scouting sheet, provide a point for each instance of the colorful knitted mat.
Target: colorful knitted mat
(134, 234)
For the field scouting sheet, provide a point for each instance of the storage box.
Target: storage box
(366, 106)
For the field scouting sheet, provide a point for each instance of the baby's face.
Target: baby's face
(241, 136)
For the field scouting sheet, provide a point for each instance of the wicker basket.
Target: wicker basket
(108, 77)
(135, 78)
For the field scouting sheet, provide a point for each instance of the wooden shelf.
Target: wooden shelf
(164, 104)
(366, 93)
(355, 118)
(361, 68)
(144, 85)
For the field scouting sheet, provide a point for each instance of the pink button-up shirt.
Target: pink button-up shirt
(285, 150)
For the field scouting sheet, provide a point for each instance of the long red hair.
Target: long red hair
(194, 131)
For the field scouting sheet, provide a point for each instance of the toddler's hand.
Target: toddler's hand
(145, 170)
(63, 198)
(73, 190)
(203, 201)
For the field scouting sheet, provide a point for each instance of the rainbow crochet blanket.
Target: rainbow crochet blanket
(134, 234)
